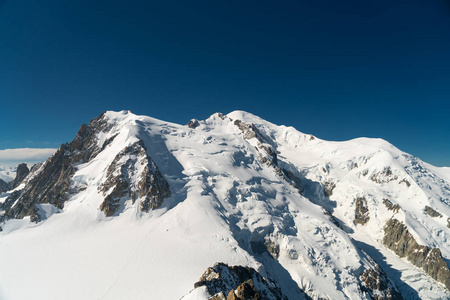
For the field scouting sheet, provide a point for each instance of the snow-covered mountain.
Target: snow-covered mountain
(7, 172)
(232, 207)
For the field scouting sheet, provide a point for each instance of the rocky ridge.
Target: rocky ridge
(255, 195)
(133, 174)
(400, 240)
(21, 172)
(51, 183)
(4, 186)
(238, 282)
(378, 285)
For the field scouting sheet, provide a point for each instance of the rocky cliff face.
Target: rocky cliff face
(361, 211)
(267, 154)
(4, 186)
(432, 212)
(308, 214)
(133, 174)
(238, 282)
(21, 172)
(398, 239)
(378, 285)
(51, 184)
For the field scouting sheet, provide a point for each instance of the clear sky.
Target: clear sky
(335, 69)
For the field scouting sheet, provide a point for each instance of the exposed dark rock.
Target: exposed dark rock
(219, 296)
(361, 211)
(377, 284)
(384, 176)
(133, 162)
(391, 206)
(266, 245)
(222, 116)
(52, 182)
(272, 247)
(328, 188)
(238, 282)
(332, 218)
(108, 141)
(293, 180)
(352, 165)
(21, 172)
(193, 124)
(249, 131)
(245, 291)
(400, 240)
(271, 158)
(10, 200)
(432, 212)
(448, 222)
(268, 155)
(4, 186)
(408, 184)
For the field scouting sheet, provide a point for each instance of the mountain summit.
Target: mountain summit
(231, 207)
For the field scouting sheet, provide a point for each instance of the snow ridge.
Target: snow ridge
(232, 188)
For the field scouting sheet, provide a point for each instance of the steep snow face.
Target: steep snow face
(336, 174)
(244, 193)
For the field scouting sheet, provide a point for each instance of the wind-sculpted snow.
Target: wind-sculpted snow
(308, 214)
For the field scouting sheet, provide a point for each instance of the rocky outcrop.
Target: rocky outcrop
(328, 188)
(384, 176)
(391, 206)
(193, 124)
(249, 131)
(51, 184)
(238, 282)
(245, 291)
(4, 186)
(133, 175)
(268, 246)
(405, 181)
(431, 212)
(376, 283)
(333, 219)
(361, 211)
(21, 172)
(268, 155)
(292, 179)
(400, 240)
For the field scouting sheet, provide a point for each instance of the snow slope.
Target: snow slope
(225, 203)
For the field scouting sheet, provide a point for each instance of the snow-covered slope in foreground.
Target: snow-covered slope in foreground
(140, 208)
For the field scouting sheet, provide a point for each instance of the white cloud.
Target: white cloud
(26, 154)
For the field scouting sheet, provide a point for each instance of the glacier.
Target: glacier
(307, 213)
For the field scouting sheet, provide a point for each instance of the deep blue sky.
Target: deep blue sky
(335, 69)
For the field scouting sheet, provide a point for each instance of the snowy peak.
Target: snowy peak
(312, 217)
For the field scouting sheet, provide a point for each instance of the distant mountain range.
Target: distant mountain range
(231, 207)
(7, 172)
